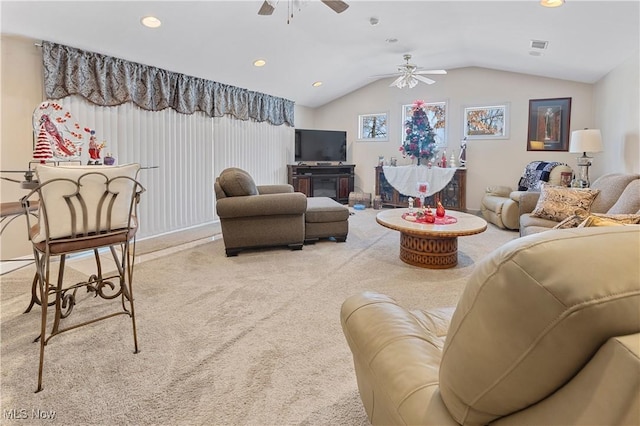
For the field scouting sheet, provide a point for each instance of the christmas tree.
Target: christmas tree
(42, 150)
(419, 141)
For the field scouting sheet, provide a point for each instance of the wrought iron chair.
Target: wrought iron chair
(84, 208)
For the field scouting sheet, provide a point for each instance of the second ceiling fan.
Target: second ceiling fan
(268, 6)
(409, 74)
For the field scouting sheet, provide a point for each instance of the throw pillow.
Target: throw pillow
(557, 202)
(570, 222)
(236, 183)
(610, 220)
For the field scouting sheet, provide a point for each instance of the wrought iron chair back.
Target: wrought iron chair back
(93, 209)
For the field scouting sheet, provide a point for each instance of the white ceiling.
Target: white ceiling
(219, 40)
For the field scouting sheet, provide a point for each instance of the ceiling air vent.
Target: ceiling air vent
(539, 44)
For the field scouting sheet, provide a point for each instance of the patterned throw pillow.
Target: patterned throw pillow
(570, 222)
(610, 220)
(598, 219)
(558, 203)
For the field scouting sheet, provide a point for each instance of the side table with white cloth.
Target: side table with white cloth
(447, 185)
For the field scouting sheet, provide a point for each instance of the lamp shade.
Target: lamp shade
(587, 140)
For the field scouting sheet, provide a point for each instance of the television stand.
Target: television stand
(333, 181)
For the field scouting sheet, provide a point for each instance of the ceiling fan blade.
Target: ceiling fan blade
(424, 79)
(430, 72)
(336, 5)
(266, 9)
(396, 81)
(395, 74)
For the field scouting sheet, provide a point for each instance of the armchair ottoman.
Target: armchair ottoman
(325, 218)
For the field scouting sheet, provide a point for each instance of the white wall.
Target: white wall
(616, 102)
(489, 162)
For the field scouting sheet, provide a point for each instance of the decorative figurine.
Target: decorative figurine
(452, 160)
(410, 205)
(428, 216)
(443, 160)
(440, 210)
(462, 157)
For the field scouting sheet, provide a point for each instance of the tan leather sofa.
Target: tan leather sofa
(619, 194)
(500, 204)
(258, 215)
(532, 341)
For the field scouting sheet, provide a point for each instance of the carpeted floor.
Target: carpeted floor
(247, 340)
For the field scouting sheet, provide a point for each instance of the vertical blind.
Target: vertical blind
(184, 154)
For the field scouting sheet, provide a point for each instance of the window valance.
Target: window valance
(108, 81)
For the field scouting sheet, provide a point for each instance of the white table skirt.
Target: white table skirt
(405, 178)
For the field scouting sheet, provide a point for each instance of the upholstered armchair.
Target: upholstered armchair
(255, 216)
(500, 204)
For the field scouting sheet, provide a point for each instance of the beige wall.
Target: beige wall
(616, 101)
(21, 91)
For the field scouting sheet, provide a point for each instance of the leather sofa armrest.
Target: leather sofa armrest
(274, 189)
(528, 201)
(396, 355)
(294, 203)
(500, 191)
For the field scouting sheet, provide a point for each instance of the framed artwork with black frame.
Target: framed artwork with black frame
(549, 121)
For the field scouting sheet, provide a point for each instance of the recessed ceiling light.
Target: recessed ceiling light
(535, 53)
(317, 84)
(539, 44)
(151, 22)
(551, 3)
(259, 63)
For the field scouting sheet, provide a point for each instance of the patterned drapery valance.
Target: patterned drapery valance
(108, 81)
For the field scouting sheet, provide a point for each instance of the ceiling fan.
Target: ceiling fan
(410, 74)
(268, 6)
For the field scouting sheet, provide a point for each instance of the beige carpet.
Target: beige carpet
(248, 340)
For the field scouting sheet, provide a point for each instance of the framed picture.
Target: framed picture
(486, 122)
(549, 124)
(437, 116)
(373, 127)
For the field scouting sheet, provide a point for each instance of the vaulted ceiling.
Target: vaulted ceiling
(219, 40)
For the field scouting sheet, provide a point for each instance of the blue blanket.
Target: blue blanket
(535, 172)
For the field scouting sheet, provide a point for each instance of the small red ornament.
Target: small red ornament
(440, 210)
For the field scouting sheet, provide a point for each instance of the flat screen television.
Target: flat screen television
(320, 145)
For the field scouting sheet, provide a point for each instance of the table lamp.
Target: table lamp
(587, 140)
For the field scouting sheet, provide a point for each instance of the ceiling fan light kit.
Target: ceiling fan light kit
(409, 75)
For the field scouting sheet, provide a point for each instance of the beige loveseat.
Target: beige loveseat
(532, 341)
(258, 215)
(618, 194)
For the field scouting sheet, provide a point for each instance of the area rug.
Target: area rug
(247, 340)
